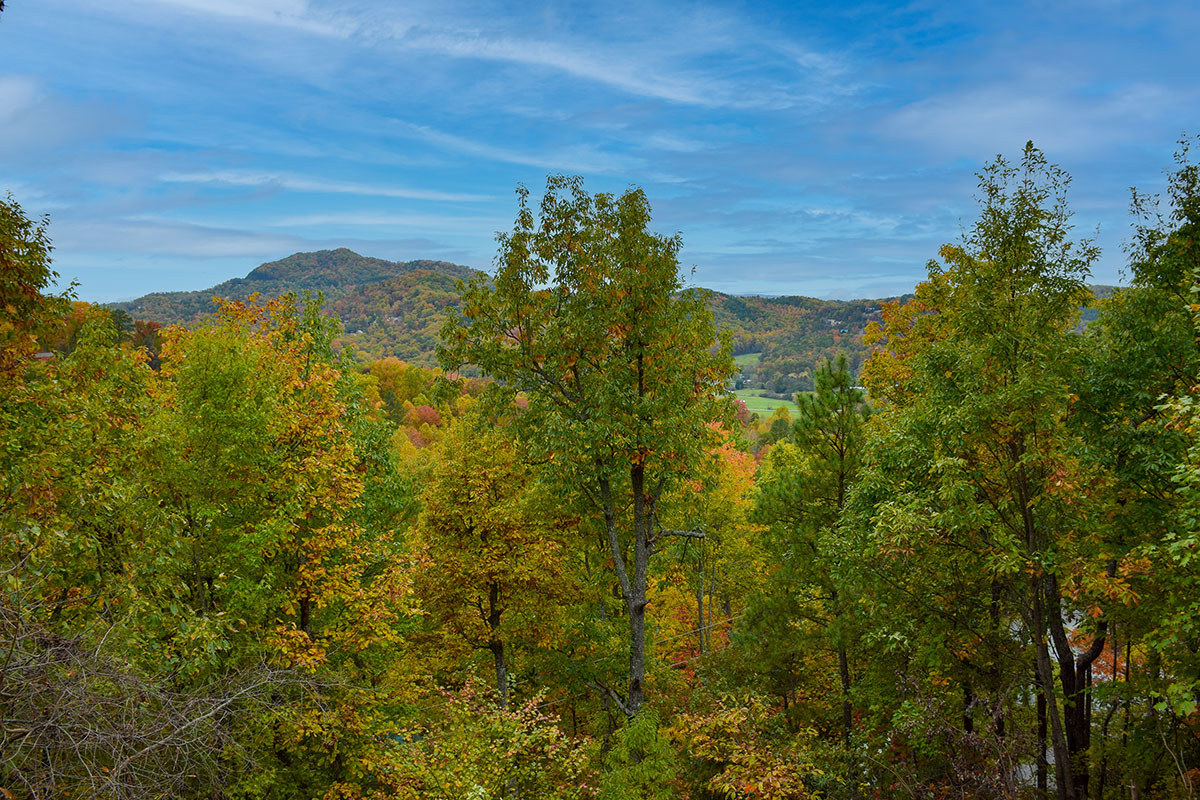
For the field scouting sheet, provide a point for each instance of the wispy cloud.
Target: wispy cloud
(579, 159)
(294, 14)
(616, 70)
(981, 121)
(169, 238)
(299, 183)
(34, 119)
(427, 222)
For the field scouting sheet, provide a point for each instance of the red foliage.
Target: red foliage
(743, 413)
(428, 415)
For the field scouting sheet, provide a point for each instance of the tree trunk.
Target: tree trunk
(968, 718)
(633, 590)
(847, 711)
(1042, 783)
(712, 583)
(995, 679)
(636, 596)
(495, 644)
(637, 654)
(1064, 780)
(1075, 677)
(497, 649)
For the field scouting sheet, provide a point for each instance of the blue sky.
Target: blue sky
(819, 149)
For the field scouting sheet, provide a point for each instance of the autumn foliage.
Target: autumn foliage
(244, 559)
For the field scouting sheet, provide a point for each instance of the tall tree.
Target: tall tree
(585, 316)
(993, 482)
(1144, 348)
(802, 492)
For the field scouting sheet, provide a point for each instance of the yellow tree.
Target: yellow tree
(489, 549)
(725, 566)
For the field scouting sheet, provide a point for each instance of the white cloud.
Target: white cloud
(294, 14)
(617, 70)
(299, 183)
(34, 120)
(980, 122)
(578, 159)
(17, 92)
(427, 222)
(156, 237)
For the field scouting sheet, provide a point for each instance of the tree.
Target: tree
(739, 750)
(478, 749)
(640, 764)
(726, 563)
(975, 473)
(268, 485)
(1139, 416)
(584, 315)
(489, 548)
(801, 496)
(27, 312)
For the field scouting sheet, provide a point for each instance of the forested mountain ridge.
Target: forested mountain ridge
(391, 308)
(795, 334)
(399, 316)
(336, 273)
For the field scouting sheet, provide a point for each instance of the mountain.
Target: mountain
(336, 273)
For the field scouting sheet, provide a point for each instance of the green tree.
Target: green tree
(585, 316)
(1138, 415)
(975, 485)
(801, 495)
(641, 764)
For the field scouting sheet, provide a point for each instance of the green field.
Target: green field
(747, 359)
(757, 404)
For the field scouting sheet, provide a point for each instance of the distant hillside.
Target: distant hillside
(793, 335)
(399, 316)
(337, 273)
(1100, 291)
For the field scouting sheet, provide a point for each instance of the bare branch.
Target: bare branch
(616, 698)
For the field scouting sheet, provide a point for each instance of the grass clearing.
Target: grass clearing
(757, 404)
(747, 359)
